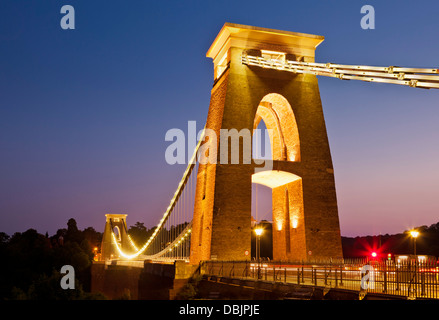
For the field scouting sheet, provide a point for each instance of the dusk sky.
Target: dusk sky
(84, 112)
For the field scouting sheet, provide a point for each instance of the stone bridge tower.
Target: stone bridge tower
(301, 175)
(114, 223)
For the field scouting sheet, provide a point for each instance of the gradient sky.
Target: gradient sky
(83, 113)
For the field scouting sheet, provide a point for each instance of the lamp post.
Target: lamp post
(258, 232)
(414, 234)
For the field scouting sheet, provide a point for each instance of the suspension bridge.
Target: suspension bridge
(270, 75)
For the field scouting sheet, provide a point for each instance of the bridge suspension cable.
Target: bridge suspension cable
(413, 77)
(171, 236)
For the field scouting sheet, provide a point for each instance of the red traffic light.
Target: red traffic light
(374, 254)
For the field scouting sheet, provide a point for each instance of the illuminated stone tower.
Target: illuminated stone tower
(305, 215)
(114, 223)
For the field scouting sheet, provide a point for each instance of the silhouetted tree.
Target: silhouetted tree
(93, 237)
(28, 255)
(73, 234)
(32, 262)
(4, 238)
(138, 233)
(401, 243)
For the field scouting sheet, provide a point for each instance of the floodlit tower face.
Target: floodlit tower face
(304, 198)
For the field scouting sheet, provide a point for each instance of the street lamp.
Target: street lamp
(414, 234)
(258, 232)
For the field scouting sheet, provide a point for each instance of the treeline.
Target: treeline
(31, 263)
(427, 243)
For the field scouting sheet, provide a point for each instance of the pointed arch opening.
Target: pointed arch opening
(278, 117)
(116, 231)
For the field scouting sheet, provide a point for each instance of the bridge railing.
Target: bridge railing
(402, 278)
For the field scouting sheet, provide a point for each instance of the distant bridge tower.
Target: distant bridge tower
(305, 214)
(114, 223)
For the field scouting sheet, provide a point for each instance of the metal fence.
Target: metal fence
(406, 278)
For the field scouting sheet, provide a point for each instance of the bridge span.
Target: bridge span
(271, 76)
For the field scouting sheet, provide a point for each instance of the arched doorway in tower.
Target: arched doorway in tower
(287, 225)
(277, 196)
